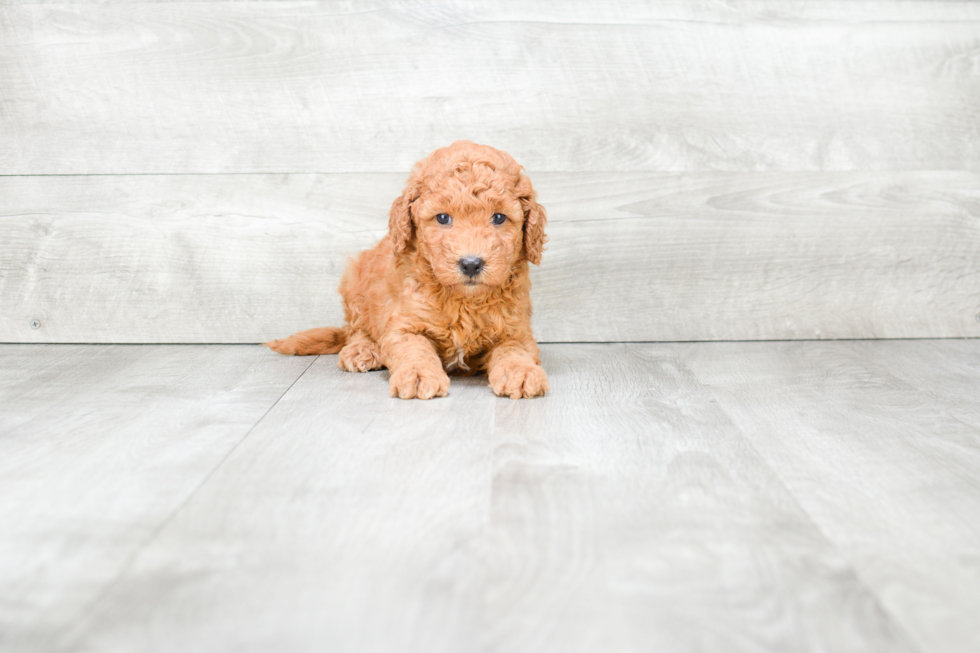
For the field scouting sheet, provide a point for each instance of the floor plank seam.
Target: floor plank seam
(176, 511)
(912, 642)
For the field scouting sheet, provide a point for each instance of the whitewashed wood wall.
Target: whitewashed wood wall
(199, 171)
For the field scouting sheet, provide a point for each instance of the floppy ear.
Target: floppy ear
(400, 226)
(535, 219)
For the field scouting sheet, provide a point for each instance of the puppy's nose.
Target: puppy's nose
(471, 266)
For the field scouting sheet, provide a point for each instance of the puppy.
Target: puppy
(448, 289)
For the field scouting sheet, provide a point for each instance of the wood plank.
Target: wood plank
(346, 521)
(623, 510)
(634, 508)
(879, 464)
(633, 256)
(947, 371)
(629, 514)
(334, 87)
(99, 445)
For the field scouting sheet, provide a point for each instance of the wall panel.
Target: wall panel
(639, 256)
(187, 87)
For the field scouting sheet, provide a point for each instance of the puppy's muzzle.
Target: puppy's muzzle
(471, 266)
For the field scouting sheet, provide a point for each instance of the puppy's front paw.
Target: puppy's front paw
(418, 383)
(518, 380)
(360, 357)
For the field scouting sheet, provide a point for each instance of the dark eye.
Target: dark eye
(444, 218)
(499, 218)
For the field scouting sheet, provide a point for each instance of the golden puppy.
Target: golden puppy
(448, 289)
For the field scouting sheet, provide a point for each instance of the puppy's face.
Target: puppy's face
(471, 214)
(471, 241)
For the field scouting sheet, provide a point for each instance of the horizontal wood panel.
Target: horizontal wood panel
(633, 256)
(579, 86)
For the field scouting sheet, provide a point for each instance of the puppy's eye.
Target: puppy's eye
(444, 218)
(499, 218)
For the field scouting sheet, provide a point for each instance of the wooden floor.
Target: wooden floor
(768, 496)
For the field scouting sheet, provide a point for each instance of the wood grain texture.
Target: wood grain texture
(346, 521)
(947, 372)
(624, 510)
(337, 87)
(629, 514)
(99, 445)
(882, 465)
(814, 496)
(632, 256)
(185, 258)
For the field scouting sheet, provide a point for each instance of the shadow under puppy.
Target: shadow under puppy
(448, 289)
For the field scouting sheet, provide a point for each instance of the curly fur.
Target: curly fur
(408, 306)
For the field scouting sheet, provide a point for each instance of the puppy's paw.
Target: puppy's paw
(518, 380)
(418, 383)
(360, 357)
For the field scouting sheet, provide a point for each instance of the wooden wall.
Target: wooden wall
(198, 171)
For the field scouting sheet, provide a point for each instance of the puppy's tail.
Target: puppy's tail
(325, 340)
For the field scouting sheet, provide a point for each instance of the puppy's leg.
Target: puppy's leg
(360, 354)
(515, 371)
(416, 371)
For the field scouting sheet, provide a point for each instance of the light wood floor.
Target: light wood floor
(768, 496)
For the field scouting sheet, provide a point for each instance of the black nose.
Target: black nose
(471, 266)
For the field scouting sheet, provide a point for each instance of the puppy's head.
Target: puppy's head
(471, 214)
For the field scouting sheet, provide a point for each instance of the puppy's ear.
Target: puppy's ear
(535, 219)
(400, 225)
